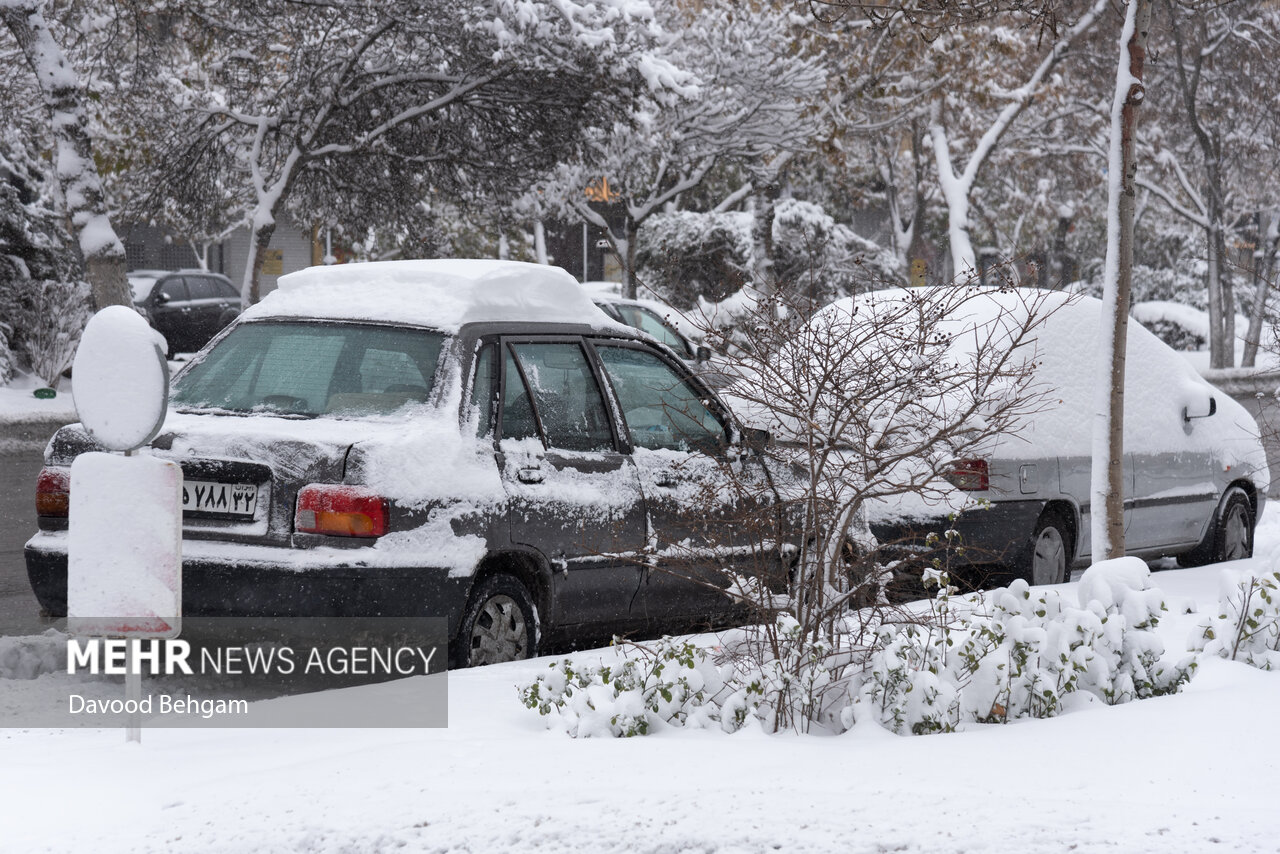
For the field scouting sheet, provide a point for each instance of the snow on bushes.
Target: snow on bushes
(983, 658)
(1015, 653)
(1247, 626)
(686, 256)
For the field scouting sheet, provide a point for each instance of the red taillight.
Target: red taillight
(969, 475)
(53, 491)
(341, 511)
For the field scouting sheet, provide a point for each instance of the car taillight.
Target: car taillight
(969, 475)
(53, 491)
(341, 511)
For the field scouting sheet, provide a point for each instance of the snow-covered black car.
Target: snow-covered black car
(187, 307)
(472, 440)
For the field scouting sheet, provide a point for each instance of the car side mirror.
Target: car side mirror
(1213, 408)
(754, 437)
(161, 298)
(703, 353)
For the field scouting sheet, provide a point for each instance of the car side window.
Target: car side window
(661, 409)
(175, 289)
(517, 409)
(201, 288)
(565, 395)
(482, 391)
(226, 290)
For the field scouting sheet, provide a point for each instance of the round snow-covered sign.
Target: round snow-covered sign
(120, 379)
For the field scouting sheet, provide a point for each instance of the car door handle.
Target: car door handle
(529, 475)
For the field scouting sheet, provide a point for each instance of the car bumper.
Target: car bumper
(243, 581)
(999, 534)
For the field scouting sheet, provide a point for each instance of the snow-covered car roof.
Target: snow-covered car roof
(440, 294)
(1158, 382)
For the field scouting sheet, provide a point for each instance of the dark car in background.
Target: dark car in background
(467, 440)
(187, 307)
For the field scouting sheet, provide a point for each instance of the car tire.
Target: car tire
(1230, 534)
(500, 624)
(1049, 552)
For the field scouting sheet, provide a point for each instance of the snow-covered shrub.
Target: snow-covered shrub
(1247, 626)
(41, 313)
(54, 316)
(783, 685)
(7, 367)
(688, 257)
(822, 259)
(684, 256)
(1014, 653)
(1184, 283)
(672, 683)
(32, 656)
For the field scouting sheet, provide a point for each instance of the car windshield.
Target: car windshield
(649, 321)
(308, 369)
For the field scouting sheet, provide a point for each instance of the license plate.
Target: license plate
(233, 499)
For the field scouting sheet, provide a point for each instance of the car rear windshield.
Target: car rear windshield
(312, 369)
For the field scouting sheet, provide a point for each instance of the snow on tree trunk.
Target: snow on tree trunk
(251, 289)
(1263, 264)
(540, 242)
(77, 173)
(1107, 499)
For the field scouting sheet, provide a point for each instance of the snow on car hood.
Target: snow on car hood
(440, 294)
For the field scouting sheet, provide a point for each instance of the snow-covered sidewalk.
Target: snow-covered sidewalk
(1191, 772)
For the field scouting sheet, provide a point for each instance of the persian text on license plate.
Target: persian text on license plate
(236, 499)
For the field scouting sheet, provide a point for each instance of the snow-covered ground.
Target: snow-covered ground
(18, 403)
(1193, 772)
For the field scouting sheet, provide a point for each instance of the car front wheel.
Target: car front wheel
(500, 624)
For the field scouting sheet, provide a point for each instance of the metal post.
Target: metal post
(132, 694)
(585, 275)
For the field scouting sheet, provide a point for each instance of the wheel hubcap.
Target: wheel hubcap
(500, 632)
(1049, 561)
(1235, 535)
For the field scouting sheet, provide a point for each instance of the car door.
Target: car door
(1175, 489)
(1075, 481)
(572, 494)
(206, 309)
(171, 312)
(699, 499)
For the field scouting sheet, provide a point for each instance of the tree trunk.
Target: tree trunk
(764, 205)
(1107, 526)
(251, 290)
(627, 253)
(86, 203)
(1263, 263)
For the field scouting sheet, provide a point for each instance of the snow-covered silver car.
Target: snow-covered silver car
(1195, 471)
(472, 440)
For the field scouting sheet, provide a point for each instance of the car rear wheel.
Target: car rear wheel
(1048, 559)
(500, 624)
(1230, 537)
